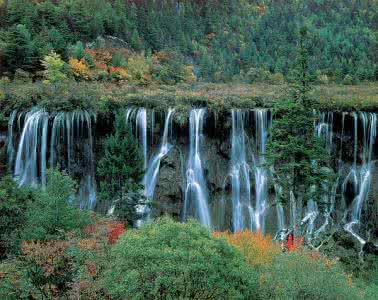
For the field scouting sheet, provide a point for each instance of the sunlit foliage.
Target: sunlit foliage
(257, 248)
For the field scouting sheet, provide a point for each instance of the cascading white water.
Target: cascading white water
(141, 124)
(324, 129)
(358, 177)
(246, 214)
(152, 172)
(362, 176)
(60, 140)
(31, 160)
(281, 225)
(263, 124)
(195, 203)
(311, 213)
(242, 210)
(32, 149)
(67, 128)
(138, 118)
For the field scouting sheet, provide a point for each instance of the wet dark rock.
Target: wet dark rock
(345, 240)
(370, 248)
(168, 192)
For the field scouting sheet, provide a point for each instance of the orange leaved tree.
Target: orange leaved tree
(257, 248)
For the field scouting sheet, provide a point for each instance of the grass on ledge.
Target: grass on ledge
(106, 97)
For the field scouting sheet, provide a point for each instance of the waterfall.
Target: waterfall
(239, 174)
(263, 124)
(324, 129)
(363, 174)
(195, 202)
(31, 145)
(65, 139)
(138, 117)
(245, 213)
(67, 128)
(279, 208)
(141, 124)
(152, 172)
(311, 213)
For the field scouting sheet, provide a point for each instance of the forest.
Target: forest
(177, 149)
(223, 41)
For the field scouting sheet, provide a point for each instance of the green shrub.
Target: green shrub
(50, 216)
(13, 204)
(276, 78)
(169, 260)
(53, 65)
(139, 67)
(257, 74)
(14, 282)
(371, 292)
(348, 79)
(78, 50)
(118, 60)
(299, 276)
(168, 68)
(89, 60)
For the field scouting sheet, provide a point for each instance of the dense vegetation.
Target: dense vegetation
(223, 40)
(162, 260)
(103, 55)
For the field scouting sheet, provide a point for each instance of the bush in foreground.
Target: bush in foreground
(51, 215)
(13, 204)
(302, 276)
(169, 260)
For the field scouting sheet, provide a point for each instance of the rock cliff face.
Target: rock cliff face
(348, 138)
(216, 149)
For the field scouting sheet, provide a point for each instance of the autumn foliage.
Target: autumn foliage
(115, 231)
(79, 68)
(294, 244)
(49, 266)
(258, 249)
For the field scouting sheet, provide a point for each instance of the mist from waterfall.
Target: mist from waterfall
(195, 201)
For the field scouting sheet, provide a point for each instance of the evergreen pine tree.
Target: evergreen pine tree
(300, 164)
(20, 51)
(121, 172)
